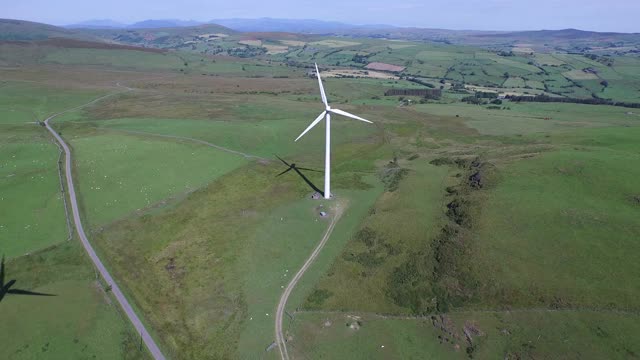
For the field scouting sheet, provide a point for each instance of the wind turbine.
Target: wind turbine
(326, 114)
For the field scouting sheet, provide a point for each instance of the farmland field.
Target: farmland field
(476, 225)
(32, 211)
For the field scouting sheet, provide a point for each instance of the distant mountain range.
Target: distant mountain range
(97, 24)
(305, 26)
(174, 31)
(146, 24)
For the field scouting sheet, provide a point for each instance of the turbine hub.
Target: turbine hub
(328, 108)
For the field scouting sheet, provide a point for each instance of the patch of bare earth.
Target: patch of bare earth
(384, 67)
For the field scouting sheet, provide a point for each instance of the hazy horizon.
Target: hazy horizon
(616, 16)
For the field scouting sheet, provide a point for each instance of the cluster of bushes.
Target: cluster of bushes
(419, 82)
(391, 176)
(247, 52)
(376, 252)
(317, 298)
(438, 278)
(605, 60)
(360, 59)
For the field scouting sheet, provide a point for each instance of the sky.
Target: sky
(609, 15)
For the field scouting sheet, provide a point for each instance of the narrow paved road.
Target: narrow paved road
(151, 345)
(280, 340)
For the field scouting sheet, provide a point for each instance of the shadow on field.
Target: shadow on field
(293, 167)
(6, 288)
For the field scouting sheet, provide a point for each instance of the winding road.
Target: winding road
(126, 307)
(280, 340)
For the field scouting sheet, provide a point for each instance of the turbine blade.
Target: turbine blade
(25, 292)
(279, 158)
(324, 97)
(344, 113)
(314, 123)
(286, 171)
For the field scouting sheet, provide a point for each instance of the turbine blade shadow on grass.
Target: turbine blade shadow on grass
(293, 167)
(311, 185)
(6, 289)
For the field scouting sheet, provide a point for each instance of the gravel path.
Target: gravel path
(280, 340)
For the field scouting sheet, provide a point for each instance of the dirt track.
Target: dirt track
(280, 340)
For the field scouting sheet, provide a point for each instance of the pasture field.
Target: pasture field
(334, 43)
(565, 198)
(29, 102)
(32, 212)
(253, 219)
(580, 75)
(534, 334)
(114, 58)
(300, 226)
(514, 82)
(562, 176)
(122, 173)
(80, 321)
(526, 118)
(384, 241)
(330, 336)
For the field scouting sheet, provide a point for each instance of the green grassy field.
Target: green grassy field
(114, 58)
(28, 102)
(183, 253)
(288, 235)
(32, 210)
(119, 174)
(534, 334)
(386, 238)
(568, 198)
(80, 322)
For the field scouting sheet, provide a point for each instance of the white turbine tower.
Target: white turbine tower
(327, 115)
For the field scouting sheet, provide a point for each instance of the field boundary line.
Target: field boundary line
(63, 193)
(124, 303)
(177, 137)
(280, 340)
(428, 316)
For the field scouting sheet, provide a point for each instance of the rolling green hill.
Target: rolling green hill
(20, 30)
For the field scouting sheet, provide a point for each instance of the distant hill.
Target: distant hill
(569, 40)
(537, 40)
(569, 34)
(305, 26)
(564, 33)
(172, 33)
(20, 30)
(145, 24)
(97, 24)
(162, 37)
(163, 23)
